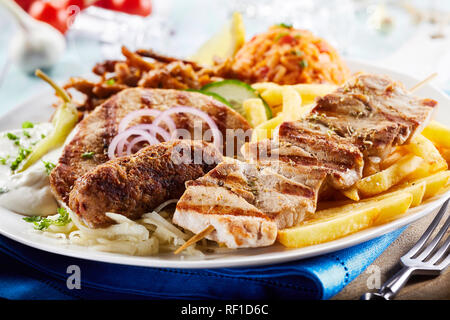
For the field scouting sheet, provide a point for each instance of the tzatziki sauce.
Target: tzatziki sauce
(27, 192)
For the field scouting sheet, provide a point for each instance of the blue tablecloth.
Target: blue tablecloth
(27, 273)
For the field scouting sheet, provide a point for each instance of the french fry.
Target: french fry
(351, 193)
(393, 158)
(445, 153)
(415, 189)
(265, 129)
(438, 134)
(291, 104)
(273, 97)
(422, 171)
(389, 177)
(334, 223)
(272, 94)
(255, 111)
(326, 229)
(386, 202)
(434, 183)
(309, 92)
(263, 86)
(393, 210)
(424, 148)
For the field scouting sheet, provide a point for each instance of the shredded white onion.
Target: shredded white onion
(165, 204)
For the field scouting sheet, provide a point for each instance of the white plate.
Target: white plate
(38, 109)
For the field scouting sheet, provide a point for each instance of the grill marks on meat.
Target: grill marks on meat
(136, 184)
(304, 145)
(246, 203)
(374, 113)
(95, 131)
(282, 178)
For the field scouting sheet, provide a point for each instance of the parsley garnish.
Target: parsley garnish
(88, 155)
(303, 63)
(12, 136)
(285, 25)
(3, 160)
(26, 134)
(48, 166)
(43, 136)
(298, 53)
(41, 223)
(27, 125)
(110, 82)
(23, 153)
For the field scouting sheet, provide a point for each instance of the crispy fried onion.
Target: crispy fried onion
(143, 68)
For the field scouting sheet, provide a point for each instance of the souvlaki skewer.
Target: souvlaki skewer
(279, 183)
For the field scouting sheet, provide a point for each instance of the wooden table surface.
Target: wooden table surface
(419, 287)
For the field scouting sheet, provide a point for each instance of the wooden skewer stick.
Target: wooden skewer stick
(199, 236)
(424, 81)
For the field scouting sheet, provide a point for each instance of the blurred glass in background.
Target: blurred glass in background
(410, 36)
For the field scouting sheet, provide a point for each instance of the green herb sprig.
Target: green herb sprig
(49, 166)
(42, 223)
(88, 155)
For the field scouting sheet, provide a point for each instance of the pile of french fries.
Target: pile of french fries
(410, 175)
(288, 103)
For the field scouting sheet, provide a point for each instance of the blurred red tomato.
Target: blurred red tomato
(136, 7)
(105, 4)
(50, 13)
(64, 4)
(25, 4)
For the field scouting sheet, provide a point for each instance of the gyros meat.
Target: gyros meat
(136, 184)
(89, 146)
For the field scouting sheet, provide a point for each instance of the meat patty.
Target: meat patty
(95, 131)
(136, 184)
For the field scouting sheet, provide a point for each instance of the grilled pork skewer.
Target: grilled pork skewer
(96, 131)
(368, 117)
(136, 184)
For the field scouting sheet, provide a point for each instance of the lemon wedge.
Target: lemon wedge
(223, 44)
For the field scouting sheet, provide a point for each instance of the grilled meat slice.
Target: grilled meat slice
(311, 152)
(136, 184)
(374, 112)
(367, 117)
(245, 203)
(95, 131)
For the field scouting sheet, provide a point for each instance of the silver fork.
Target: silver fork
(421, 259)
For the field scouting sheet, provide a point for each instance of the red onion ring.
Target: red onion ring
(134, 142)
(153, 130)
(203, 115)
(148, 132)
(120, 140)
(135, 114)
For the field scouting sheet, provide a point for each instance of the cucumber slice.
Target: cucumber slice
(214, 95)
(236, 92)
